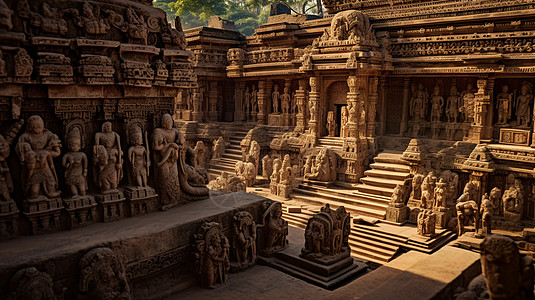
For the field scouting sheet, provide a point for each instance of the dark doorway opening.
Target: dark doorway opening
(338, 118)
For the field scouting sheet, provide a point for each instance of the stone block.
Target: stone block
(397, 214)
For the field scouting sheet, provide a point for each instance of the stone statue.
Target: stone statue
(139, 157)
(508, 275)
(254, 103)
(523, 102)
(254, 155)
(452, 104)
(285, 101)
(219, 148)
(307, 168)
(468, 103)
(275, 98)
(441, 193)
(275, 228)
(513, 201)
(36, 149)
(331, 124)
(437, 104)
(75, 163)
(343, 121)
(30, 283)
(51, 22)
(200, 155)
(428, 190)
(327, 233)
(227, 183)
(246, 171)
(486, 211)
(504, 100)
(243, 240)
(103, 276)
(5, 16)
(6, 181)
(107, 158)
(135, 26)
(426, 223)
(211, 255)
(496, 200)
(324, 168)
(467, 208)
(165, 146)
(416, 192)
(91, 21)
(267, 166)
(419, 100)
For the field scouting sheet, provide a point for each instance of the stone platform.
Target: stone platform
(156, 249)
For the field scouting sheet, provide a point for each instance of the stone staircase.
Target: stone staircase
(331, 142)
(375, 246)
(232, 155)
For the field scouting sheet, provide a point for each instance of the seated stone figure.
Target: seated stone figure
(324, 168)
(275, 228)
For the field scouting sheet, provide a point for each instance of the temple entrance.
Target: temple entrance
(336, 99)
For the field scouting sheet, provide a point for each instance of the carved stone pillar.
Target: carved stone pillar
(212, 101)
(383, 88)
(405, 108)
(487, 133)
(314, 99)
(262, 94)
(300, 99)
(481, 102)
(238, 101)
(356, 103)
(286, 117)
(373, 98)
(196, 115)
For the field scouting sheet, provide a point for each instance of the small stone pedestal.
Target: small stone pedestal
(9, 219)
(275, 119)
(398, 214)
(140, 200)
(327, 272)
(274, 188)
(110, 206)
(186, 115)
(196, 116)
(443, 217)
(43, 213)
(82, 210)
(284, 190)
(285, 120)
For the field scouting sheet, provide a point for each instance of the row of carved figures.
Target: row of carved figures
(460, 106)
(93, 20)
(175, 164)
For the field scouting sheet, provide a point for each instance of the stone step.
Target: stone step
(375, 190)
(233, 151)
(381, 182)
(387, 174)
(371, 230)
(343, 199)
(221, 168)
(390, 159)
(388, 243)
(390, 167)
(370, 255)
(345, 190)
(354, 210)
(360, 245)
(227, 160)
(232, 156)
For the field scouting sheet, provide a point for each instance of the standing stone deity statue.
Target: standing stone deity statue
(437, 104)
(247, 100)
(75, 163)
(416, 192)
(440, 193)
(36, 149)
(275, 98)
(504, 101)
(254, 103)
(6, 181)
(428, 190)
(420, 99)
(212, 261)
(218, 148)
(91, 21)
(426, 221)
(243, 240)
(513, 202)
(331, 124)
(139, 157)
(135, 27)
(486, 211)
(452, 105)
(467, 208)
(166, 143)
(523, 102)
(496, 199)
(107, 158)
(200, 155)
(275, 228)
(285, 101)
(343, 121)
(267, 166)
(468, 103)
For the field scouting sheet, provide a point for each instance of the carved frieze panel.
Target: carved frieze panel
(515, 136)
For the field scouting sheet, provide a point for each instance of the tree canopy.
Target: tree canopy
(247, 15)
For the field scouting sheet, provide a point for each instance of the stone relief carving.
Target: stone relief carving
(243, 240)
(211, 255)
(139, 157)
(75, 163)
(513, 201)
(108, 159)
(219, 148)
(246, 171)
(275, 228)
(36, 149)
(523, 102)
(275, 98)
(324, 168)
(467, 208)
(267, 166)
(331, 124)
(103, 276)
(426, 223)
(30, 283)
(227, 183)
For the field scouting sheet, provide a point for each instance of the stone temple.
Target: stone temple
(382, 150)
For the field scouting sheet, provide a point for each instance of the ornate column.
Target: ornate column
(487, 133)
(481, 102)
(405, 108)
(238, 101)
(261, 102)
(286, 117)
(197, 96)
(373, 98)
(300, 99)
(212, 101)
(382, 117)
(314, 99)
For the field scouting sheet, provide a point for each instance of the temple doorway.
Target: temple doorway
(338, 118)
(336, 99)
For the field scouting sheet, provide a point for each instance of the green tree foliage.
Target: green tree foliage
(247, 15)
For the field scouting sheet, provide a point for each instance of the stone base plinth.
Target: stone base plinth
(443, 217)
(284, 190)
(9, 219)
(397, 214)
(413, 215)
(328, 276)
(275, 119)
(187, 115)
(157, 251)
(111, 206)
(140, 200)
(43, 214)
(82, 210)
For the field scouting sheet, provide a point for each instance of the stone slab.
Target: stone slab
(155, 248)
